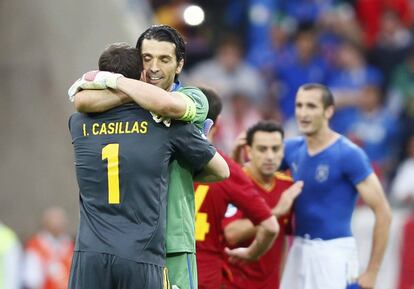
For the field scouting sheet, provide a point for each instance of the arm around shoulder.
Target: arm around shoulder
(99, 100)
(153, 98)
(216, 170)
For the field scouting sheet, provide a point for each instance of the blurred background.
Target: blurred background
(255, 53)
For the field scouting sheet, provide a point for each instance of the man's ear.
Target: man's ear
(329, 112)
(179, 67)
(249, 152)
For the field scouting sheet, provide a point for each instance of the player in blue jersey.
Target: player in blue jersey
(335, 172)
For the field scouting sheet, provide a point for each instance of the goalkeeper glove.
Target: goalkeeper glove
(94, 80)
(207, 125)
(104, 78)
(157, 118)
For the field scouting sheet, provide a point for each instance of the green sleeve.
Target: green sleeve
(200, 102)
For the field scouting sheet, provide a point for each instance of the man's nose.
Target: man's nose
(269, 154)
(154, 66)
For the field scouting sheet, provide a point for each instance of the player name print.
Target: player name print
(120, 127)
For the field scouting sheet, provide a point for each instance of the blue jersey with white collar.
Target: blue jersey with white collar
(324, 208)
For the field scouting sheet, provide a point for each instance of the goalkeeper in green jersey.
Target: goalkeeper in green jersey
(162, 49)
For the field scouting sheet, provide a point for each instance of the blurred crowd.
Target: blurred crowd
(43, 260)
(260, 51)
(256, 53)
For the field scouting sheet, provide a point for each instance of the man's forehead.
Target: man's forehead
(263, 138)
(311, 95)
(157, 48)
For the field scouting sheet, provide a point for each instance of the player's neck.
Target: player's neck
(321, 140)
(265, 181)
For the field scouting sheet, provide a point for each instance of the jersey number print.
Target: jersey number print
(111, 153)
(202, 227)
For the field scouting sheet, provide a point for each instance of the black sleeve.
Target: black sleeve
(190, 145)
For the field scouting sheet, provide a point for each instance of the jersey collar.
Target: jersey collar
(176, 86)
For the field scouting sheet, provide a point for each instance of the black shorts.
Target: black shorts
(92, 270)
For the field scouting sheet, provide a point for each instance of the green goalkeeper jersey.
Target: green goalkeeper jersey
(181, 203)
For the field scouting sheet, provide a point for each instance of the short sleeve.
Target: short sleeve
(356, 164)
(232, 214)
(197, 105)
(190, 146)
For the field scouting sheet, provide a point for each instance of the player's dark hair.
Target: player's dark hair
(266, 126)
(164, 33)
(327, 97)
(215, 104)
(121, 58)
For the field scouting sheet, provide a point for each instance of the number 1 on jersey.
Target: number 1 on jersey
(111, 153)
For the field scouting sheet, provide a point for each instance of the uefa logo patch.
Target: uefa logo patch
(231, 211)
(322, 173)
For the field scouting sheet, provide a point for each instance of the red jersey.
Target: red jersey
(212, 201)
(264, 273)
(407, 256)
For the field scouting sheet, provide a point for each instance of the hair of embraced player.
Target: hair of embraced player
(121, 58)
(164, 33)
(327, 97)
(215, 104)
(264, 125)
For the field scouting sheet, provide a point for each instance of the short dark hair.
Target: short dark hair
(164, 33)
(121, 58)
(327, 96)
(266, 126)
(215, 104)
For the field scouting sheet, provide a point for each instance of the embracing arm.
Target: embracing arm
(241, 230)
(373, 195)
(99, 100)
(155, 99)
(167, 104)
(216, 170)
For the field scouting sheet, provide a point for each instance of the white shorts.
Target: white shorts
(318, 264)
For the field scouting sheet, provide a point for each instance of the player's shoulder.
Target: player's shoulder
(346, 146)
(293, 145)
(75, 118)
(228, 159)
(294, 141)
(282, 176)
(191, 91)
(189, 88)
(346, 142)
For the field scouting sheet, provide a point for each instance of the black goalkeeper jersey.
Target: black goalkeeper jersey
(122, 158)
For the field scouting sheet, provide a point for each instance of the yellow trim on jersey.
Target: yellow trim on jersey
(190, 109)
(283, 177)
(166, 281)
(263, 186)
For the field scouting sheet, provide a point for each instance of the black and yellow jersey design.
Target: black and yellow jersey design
(122, 158)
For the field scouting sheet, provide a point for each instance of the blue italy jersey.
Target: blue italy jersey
(324, 208)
